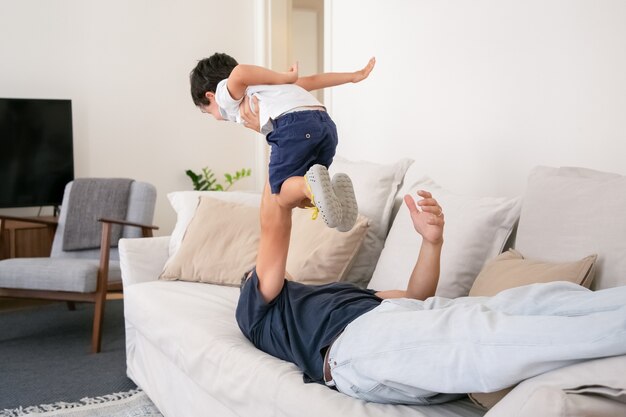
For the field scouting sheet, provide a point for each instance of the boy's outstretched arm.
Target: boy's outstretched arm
(243, 76)
(330, 79)
(429, 223)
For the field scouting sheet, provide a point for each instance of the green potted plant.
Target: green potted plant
(206, 181)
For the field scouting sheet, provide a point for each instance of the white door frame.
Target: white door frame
(263, 57)
(262, 53)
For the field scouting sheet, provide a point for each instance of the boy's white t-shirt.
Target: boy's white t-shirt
(274, 100)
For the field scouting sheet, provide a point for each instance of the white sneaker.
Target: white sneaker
(323, 196)
(342, 186)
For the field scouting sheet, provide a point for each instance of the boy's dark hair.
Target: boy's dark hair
(207, 74)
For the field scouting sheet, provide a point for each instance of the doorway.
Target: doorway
(288, 31)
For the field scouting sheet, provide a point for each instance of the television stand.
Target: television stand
(23, 239)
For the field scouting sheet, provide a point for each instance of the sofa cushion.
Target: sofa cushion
(221, 243)
(476, 230)
(54, 274)
(375, 186)
(185, 203)
(511, 269)
(569, 213)
(318, 254)
(595, 388)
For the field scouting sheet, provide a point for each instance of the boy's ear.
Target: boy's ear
(210, 96)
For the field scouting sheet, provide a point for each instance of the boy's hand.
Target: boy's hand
(291, 76)
(250, 118)
(362, 74)
(429, 221)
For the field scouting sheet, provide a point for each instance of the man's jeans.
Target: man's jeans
(416, 352)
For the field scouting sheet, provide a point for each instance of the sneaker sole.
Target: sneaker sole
(342, 185)
(324, 197)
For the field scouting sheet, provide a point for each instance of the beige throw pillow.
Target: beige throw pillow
(510, 270)
(220, 244)
(318, 254)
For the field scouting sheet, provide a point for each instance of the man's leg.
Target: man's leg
(407, 350)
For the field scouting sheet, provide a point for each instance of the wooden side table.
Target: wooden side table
(22, 238)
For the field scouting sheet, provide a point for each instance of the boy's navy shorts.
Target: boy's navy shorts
(300, 140)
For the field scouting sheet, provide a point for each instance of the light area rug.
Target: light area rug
(133, 403)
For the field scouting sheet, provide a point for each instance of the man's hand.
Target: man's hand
(429, 221)
(250, 118)
(362, 74)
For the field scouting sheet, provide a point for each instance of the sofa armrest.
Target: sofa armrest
(142, 260)
(594, 388)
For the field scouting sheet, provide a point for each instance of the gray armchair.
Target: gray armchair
(77, 275)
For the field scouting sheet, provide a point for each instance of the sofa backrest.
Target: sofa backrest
(569, 213)
(566, 214)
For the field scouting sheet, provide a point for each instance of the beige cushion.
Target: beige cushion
(185, 203)
(569, 213)
(221, 242)
(510, 270)
(476, 230)
(318, 254)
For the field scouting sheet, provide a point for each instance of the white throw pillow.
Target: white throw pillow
(571, 212)
(185, 203)
(375, 186)
(476, 230)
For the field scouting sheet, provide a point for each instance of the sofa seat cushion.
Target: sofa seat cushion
(54, 274)
(193, 325)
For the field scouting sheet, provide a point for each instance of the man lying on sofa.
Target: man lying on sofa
(410, 347)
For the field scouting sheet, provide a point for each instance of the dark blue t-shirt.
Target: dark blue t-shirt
(300, 323)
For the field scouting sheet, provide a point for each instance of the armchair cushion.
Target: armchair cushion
(90, 199)
(141, 203)
(54, 274)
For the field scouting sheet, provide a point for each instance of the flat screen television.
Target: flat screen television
(36, 151)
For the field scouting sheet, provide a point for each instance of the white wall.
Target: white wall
(479, 92)
(125, 65)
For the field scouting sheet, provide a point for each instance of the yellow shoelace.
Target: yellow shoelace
(316, 211)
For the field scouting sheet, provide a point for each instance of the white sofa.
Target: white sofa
(185, 350)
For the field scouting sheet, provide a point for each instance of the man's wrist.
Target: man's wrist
(433, 244)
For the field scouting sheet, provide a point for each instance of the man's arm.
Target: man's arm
(250, 119)
(243, 76)
(331, 79)
(429, 223)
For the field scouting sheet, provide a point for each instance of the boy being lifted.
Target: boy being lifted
(301, 134)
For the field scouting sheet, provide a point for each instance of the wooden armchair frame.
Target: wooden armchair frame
(102, 287)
